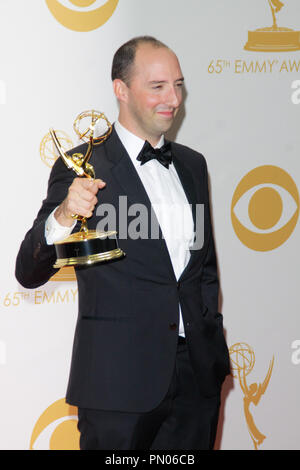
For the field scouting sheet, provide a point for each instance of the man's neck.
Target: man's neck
(153, 140)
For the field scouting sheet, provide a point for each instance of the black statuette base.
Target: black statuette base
(85, 249)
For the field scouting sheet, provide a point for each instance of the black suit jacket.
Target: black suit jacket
(126, 335)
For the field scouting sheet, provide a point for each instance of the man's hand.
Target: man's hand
(81, 200)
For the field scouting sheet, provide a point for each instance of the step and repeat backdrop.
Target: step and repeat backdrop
(241, 62)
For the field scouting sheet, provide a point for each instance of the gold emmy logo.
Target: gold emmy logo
(243, 360)
(265, 208)
(48, 151)
(56, 428)
(273, 38)
(82, 20)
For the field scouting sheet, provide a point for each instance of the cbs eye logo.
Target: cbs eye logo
(265, 208)
(56, 428)
(82, 18)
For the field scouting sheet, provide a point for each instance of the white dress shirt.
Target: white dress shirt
(168, 200)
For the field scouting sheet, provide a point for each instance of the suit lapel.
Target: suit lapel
(187, 181)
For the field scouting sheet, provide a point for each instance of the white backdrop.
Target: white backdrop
(241, 111)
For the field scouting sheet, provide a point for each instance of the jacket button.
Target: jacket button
(173, 326)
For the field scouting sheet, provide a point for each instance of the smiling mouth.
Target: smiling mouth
(167, 114)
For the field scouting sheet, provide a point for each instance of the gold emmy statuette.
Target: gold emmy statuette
(273, 38)
(243, 360)
(85, 247)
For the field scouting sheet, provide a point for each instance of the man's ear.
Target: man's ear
(120, 90)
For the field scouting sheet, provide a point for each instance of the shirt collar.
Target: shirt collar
(131, 142)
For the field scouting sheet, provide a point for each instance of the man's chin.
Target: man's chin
(165, 126)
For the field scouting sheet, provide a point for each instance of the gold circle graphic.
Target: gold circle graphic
(66, 435)
(265, 208)
(82, 21)
(82, 3)
(65, 274)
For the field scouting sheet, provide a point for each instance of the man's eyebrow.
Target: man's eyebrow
(155, 82)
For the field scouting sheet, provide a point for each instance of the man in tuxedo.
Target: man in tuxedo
(149, 354)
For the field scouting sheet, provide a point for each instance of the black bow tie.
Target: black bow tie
(163, 154)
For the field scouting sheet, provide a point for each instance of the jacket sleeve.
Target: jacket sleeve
(35, 259)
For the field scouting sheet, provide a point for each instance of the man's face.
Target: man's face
(154, 92)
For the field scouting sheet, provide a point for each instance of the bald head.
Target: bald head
(124, 58)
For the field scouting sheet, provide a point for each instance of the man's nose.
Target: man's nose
(174, 97)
